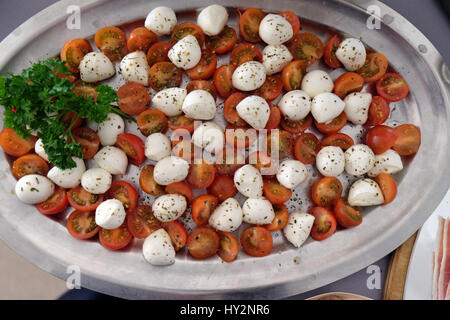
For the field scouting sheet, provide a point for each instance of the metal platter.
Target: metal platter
(422, 184)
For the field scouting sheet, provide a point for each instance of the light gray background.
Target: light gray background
(426, 15)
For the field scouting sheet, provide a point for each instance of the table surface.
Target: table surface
(427, 16)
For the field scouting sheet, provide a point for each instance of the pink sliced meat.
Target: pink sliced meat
(444, 271)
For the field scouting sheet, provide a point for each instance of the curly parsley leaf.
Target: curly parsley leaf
(36, 100)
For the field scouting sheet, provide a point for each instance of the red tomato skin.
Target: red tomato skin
(381, 138)
(323, 219)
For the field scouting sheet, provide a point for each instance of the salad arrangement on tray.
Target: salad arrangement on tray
(50, 107)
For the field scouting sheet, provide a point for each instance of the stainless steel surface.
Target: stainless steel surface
(45, 242)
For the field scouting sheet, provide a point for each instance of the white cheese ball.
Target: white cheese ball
(109, 129)
(112, 159)
(248, 180)
(330, 161)
(134, 67)
(359, 159)
(68, 178)
(169, 207)
(157, 146)
(291, 173)
(110, 214)
(258, 211)
(298, 228)
(170, 169)
(275, 29)
(326, 106)
(199, 105)
(227, 216)
(316, 82)
(34, 188)
(365, 192)
(161, 20)
(209, 136)
(158, 249)
(352, 54)
(95, 67)
(186, 53)
(39, 149)
(212, 19)
(295, 105)
(387, 162)
(249, 76)
(357, 107)
(96, 180)
(275, 58)
(170, 101)
(255, 111)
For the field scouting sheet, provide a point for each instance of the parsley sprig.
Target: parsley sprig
(36, 100)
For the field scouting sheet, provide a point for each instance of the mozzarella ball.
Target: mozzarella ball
(357, 107)
(388, 162)
(39, 149)
(316, 82)
(112, 159)
(68, 178)
(326, 106)
(96, 180)
(209, 136)
(352, 54)
(186, 53)
(170, 101)
(199, 104)
(248, 180)
(212, 19)
(249, 76)
(365, 192)
(227, 216)
(158, 249)
(110, 214)
(157, 146)
(298, 228)
(291, 173)
(359, 159)
(255, 111)
(161, 21)
(170, 169)
(169, 207)
(330, 161)
(34, 188)
(275, 29)
(95, 67)
(134, 67)
(275, 58)
(295, 105)
(258, 211)
(109, 129)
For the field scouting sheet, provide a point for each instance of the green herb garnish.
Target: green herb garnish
(36, 100)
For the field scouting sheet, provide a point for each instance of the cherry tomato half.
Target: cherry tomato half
(392, 87)
(187, 28)
(271, 88)
(55, 204)
(81, 224)
(29, 164)
(148, 183)
(133, 146)
(14, 145)
(387, 185)
(333, 126)
(229, 246)
(201, 175)
(115, 239)
(141, 39)
(125, 193)
(347, 83)
(340, 140)
(329, 53)
(164, 75)
(133, 98)
(223, 188)
(298, 126)
(182, 189)
(381, 138)
(112, 42)
(73, 52)
(408, 140)
(205, 67)
(223, 42)
(249, 24)
(378, 111)
(324, 223)
(202, 208)
(292, 75)
(346, 215)
(82, 200)
(374, 68)
(275, 192)
(306, 147)
(228, 161)
(151, 121)
(141, 222)
(202, 85)
(280, 220)
(293, 20)
(177, 233)
(326, 191)
(89, 140)
(222, 80)
(306, 47)
(203, 243)
(256, 241)
(245, 52)
(280, 147)
(158, 52)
